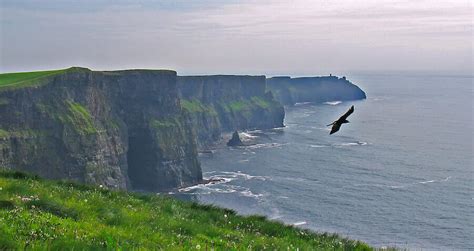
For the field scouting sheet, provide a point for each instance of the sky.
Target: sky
(299, 37)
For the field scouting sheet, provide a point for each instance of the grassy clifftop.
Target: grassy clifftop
(25, 78)
(41, 214)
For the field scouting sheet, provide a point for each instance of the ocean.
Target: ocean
(399, 174)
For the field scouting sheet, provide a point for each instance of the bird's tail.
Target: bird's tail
(331, 123)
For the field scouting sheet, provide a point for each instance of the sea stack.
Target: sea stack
(235, 140)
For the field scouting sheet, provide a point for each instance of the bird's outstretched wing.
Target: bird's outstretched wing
(335, 127)
(349, 112)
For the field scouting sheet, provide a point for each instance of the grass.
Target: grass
(254, 101)
(259, 101)
(4, 134)
(34, 78)
(25, 78)
(195, 106)
(247, 104)
(79, 118)
(40, 214)
(164, 123)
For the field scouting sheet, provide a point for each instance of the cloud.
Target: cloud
(265, 36)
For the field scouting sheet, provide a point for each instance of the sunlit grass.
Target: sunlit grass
(25, 78)
(36, 213)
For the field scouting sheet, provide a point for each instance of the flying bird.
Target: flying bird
(342, 120)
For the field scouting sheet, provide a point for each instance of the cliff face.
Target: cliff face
(123, 129)
(313, 89)
(228, 103)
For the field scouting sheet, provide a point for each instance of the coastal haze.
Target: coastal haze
(238, 37)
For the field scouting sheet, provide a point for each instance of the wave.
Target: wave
(247, 152)
(332, 102)
(219, 180)
(239, 174)
(358, 143)
(265, 145)
(317, 146)
(222, 186)
(248, 193)
(405, 185)
(246, 136)
(303, 103)
(425, 182)
(255, 131)
(299, 223)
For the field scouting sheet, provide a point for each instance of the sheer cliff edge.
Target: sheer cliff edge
(139, 129)
(121, 129)
(313, 89)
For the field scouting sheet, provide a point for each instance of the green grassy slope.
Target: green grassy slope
(41, 214)
(23, 79)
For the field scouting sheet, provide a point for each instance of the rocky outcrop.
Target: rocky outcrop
(235, 140)
(225, 103)
(121, 129)
(313, 89)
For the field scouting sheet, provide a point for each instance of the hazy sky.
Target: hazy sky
(301, 37)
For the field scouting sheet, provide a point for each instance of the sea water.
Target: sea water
(399, 174)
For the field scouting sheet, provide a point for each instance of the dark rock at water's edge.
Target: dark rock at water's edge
(213, 180)
(313, 89)
(225, 103)
(121, 129)
(235, 140)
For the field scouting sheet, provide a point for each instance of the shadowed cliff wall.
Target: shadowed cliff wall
(122, 129)
(223, 103)
(313, 89)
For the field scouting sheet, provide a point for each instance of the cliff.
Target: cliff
(225, 103)
(121, 129)
(313, 89)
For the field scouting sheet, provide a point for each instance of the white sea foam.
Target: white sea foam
(217, 178)
(265, 145)
(333, 102)
(248, 193)
(221, 184)
(244, 160)
(303, 103)
(246, 136)
(401, 186)
(318, 146)
(299, 223)
(190, 188)
(255, 131)
(358, 143)
(432, 181)
(426, 182)
(239, 174)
